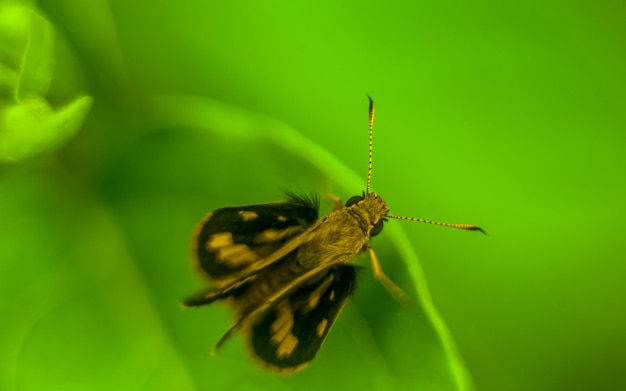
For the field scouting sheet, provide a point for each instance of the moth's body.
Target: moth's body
(334, 239)
(342, 234)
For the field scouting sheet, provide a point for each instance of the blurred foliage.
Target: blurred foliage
(28, 124)
(505, 115)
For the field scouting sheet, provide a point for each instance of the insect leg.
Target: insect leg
(335, 200)
(395, 291)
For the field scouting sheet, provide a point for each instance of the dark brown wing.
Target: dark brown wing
(289, 334)
(229, 240)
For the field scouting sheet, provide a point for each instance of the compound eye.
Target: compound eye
(377, 228)
(353, 200)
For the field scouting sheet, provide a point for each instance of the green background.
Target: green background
(506, 115)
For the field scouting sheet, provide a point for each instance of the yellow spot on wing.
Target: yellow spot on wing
(287, 346)
(247, 215)
(228, 252)
(272, 235)
(321, 327)
(313, 301)
(219, 240)
(282, 219)
(283, 323)
(316, 295)
(237, 254)
(282, 337)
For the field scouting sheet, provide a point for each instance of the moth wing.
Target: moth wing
(228, 241)
(208, 296)
(289, 334)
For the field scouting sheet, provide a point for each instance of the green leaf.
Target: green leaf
(32, 126)
(29, 125)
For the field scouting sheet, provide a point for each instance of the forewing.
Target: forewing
(230, 239)
(289, 335)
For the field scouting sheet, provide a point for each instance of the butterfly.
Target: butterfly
(287, 271)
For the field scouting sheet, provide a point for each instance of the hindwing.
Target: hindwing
(288, 335)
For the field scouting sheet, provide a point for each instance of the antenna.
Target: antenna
(468, 227)
(371, 125)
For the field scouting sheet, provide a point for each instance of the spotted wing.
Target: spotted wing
(289, 335)
(228, 240)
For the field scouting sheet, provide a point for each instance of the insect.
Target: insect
(287, 271)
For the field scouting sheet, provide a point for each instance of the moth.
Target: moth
(287, 271)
